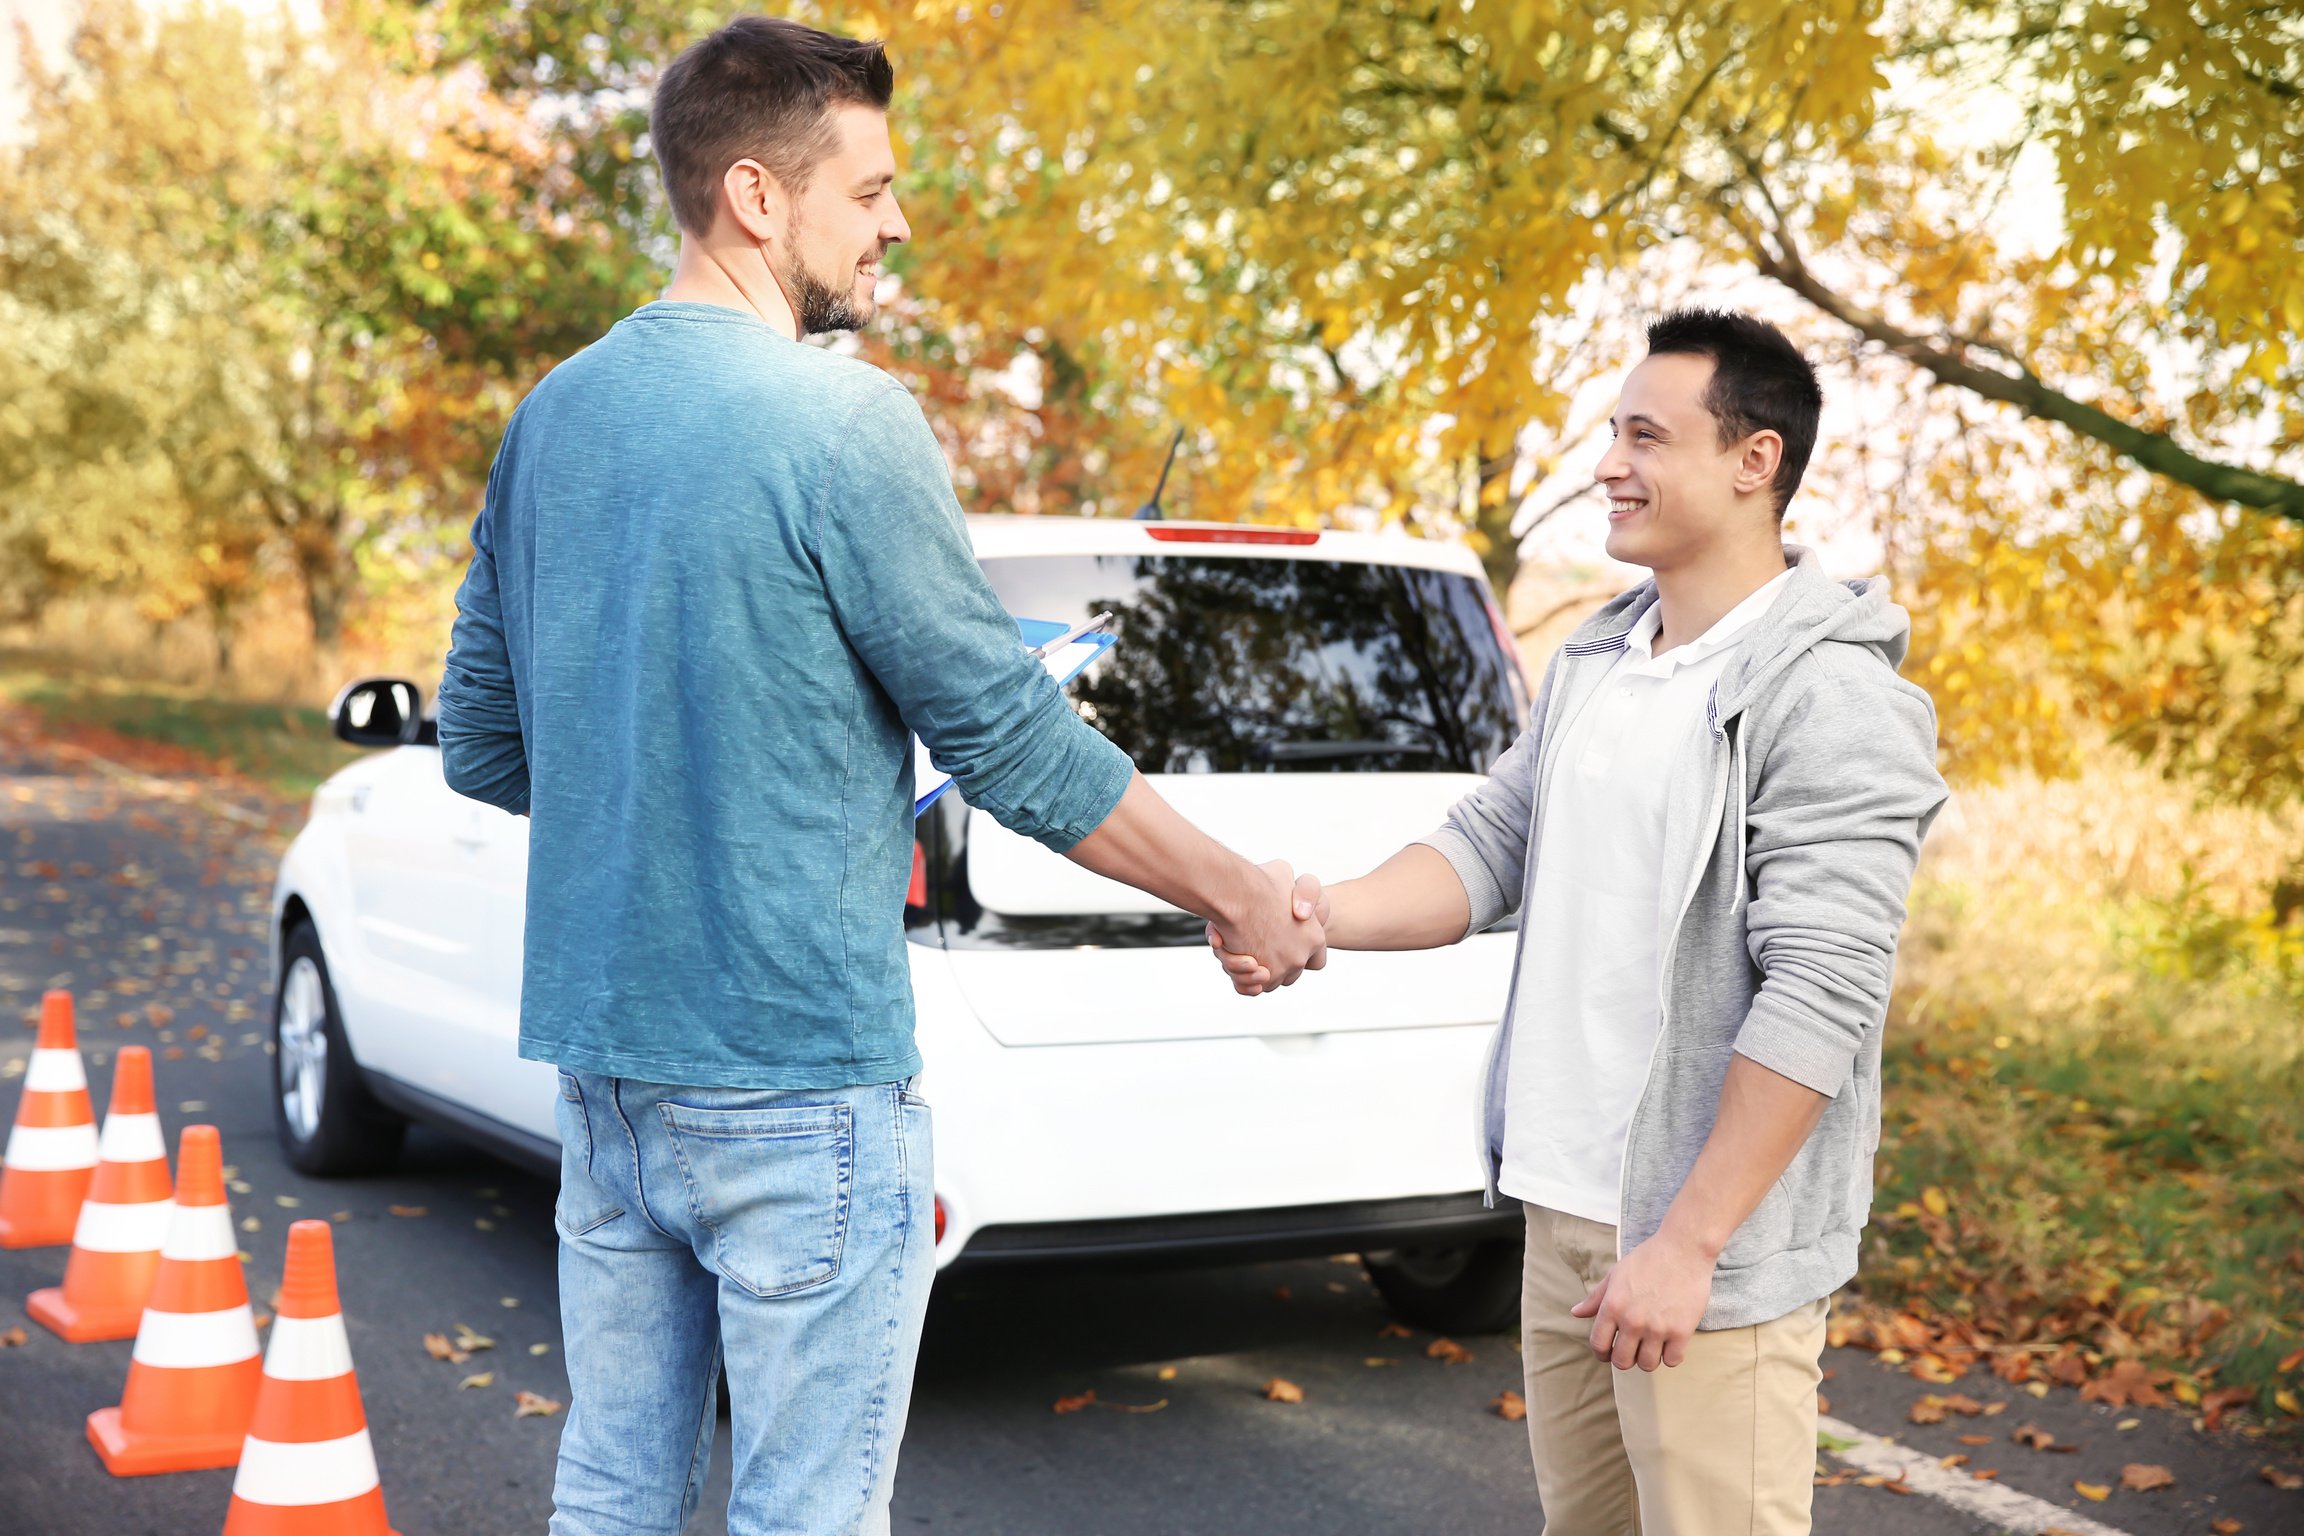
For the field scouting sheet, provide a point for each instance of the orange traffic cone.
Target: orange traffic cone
(308, 1468)
(192, 1381)
(116, 1247)
(51, 1152)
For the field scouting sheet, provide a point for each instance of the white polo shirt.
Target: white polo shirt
(1590, 1000)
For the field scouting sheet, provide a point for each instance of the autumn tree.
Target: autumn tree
(268, 295)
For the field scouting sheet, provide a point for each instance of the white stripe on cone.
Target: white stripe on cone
(52, 1148)
(139, 1228)
(314, 1472)
(132, 1139)
(308, 1349)
(201, 1232)
(55, 1072)
(186, 1341)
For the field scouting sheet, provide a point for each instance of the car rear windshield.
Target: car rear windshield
(1230, 664)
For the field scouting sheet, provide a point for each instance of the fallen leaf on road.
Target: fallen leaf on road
(1278, 1390)
(2225, 1525)
(437, 1346)
(2127, 1384)
(1166, 1373)
(1135, 1407)
(1985, 1474)
(2127, 1424)
(484, 1224)
(1448, 1350)
(1956, 1459)
(2143, 1477)
(2037, 1438)
(286, 1202)
(2291, 1481)
(2214, 1405)
(1510, 1405)
(15, 1337)
(2094, 1492)
(483, 1379)
(539, 1349)
(508, 1301)
(1075, 1404)
(1379, 1360)
(529, 1405)
(1823, 1403)
(405, 1210)
(339, 1215)
(1975, 1439)
(1395, 1331)
(1928, 1410)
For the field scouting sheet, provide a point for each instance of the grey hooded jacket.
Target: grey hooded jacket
(1792, 828)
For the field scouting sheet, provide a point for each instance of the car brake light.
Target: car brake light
(1234, 535)
(939, 1218)
(916, 894)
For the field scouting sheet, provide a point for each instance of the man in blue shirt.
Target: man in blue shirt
(719, 579)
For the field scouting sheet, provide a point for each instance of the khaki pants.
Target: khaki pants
(1723, 1444)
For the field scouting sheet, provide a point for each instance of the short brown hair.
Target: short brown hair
(761, 88)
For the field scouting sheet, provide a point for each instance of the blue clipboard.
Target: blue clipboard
(1066, 650)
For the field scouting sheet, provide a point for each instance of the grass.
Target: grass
(160, 728)
(2091, 1151)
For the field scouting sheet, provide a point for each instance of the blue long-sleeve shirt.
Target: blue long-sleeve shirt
(718, 579)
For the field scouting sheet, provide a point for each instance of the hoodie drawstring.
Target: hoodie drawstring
(1736, 768)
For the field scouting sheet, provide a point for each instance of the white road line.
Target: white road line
(2007, 1509)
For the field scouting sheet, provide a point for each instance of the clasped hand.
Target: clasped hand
(1281, 944)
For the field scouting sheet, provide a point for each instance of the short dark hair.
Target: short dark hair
(761, 88)
(1760, 382)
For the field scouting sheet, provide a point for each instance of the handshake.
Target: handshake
(1281, 934)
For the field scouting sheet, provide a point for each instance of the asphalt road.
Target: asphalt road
(151, 907)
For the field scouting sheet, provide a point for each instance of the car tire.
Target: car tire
(328, 1122)
(1472, 1289)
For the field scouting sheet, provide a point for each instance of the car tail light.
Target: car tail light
(939, 1218)
(1234, 535)
(916, 894)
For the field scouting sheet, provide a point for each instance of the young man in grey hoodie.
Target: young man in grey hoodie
(1708, 829)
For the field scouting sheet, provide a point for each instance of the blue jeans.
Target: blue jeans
(790, 1234)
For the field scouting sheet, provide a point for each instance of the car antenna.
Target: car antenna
(1150, 512)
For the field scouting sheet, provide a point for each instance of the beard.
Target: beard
(816, 304)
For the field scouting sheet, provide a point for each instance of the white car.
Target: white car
(1100, 1092)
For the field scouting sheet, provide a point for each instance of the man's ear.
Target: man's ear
(756, 201)
(1757, 462)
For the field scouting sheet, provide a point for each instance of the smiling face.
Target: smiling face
(1675, 491)
(840, 226)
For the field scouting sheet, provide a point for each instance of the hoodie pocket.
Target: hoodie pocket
(1765, 1233)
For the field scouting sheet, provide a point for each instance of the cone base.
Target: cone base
(143, 1455)
(53, 1310)
(362, 1516)
(34, 1234)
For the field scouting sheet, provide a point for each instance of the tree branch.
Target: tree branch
(2025, 390)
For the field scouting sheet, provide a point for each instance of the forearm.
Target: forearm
(1145, 843)
(1763, 1122)
(1413, 900)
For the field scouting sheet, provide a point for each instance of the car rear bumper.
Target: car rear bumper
(1421, 1221)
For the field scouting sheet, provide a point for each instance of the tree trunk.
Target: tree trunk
(327, 593)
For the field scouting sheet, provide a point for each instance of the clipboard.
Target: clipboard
(1066, 650)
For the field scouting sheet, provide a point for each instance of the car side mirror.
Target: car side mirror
(377, 712)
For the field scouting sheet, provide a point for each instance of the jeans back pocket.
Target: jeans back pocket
(772, 1186)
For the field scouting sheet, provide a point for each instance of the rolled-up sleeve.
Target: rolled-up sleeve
(911, 600)
(483, 752)
(1843, 800)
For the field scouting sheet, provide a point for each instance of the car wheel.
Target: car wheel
(327, 1120)
(1473, 1289)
